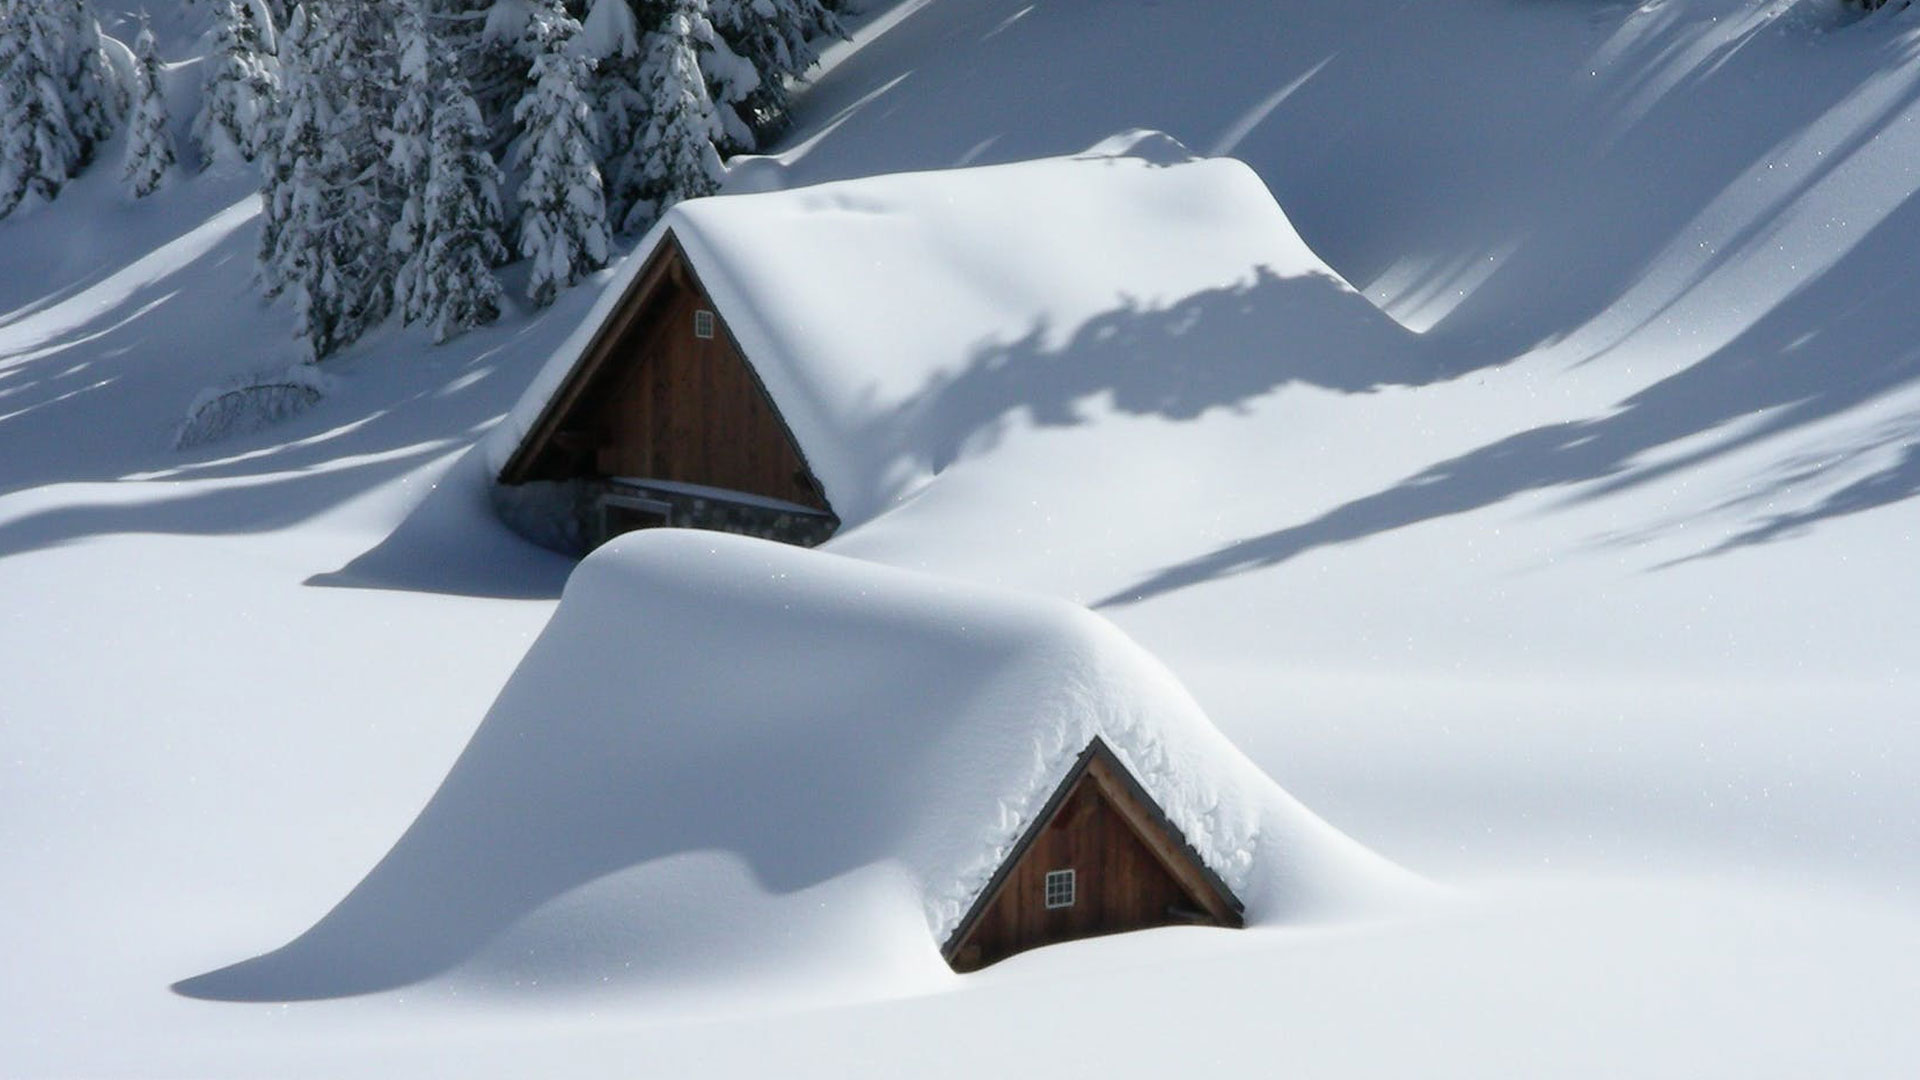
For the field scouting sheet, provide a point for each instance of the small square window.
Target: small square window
(703, 323)
(1059, 888)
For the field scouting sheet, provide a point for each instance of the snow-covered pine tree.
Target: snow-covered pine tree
(772, 36)
(497, 44)
(95, 99)
(611, 39)
(37, 148)
(446, 238)
(675, 151)
(236, 101)
(354, 243)
(56, 98)
(290, 139)
(463, 218)
(408, 148)
(330, 199)
(306, 200)
(563, 216)
(149, 146)
(732, 82)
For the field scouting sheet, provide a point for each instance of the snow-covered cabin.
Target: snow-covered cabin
(1099, 858)
(785, 362)
(723, 751)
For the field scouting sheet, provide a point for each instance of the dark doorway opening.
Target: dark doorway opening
(625, 514)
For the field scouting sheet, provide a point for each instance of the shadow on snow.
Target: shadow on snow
(1824, 351)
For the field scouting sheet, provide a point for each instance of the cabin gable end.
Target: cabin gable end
(663, 421)
(1100, 858)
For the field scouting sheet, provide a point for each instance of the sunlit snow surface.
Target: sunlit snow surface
(1601, 618)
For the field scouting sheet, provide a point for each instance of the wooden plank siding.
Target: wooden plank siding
(650, 399)
(1132, 871)
(689, 409)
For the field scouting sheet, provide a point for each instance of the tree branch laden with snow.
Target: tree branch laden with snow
(149, 156)
(563, 223)
(236, 102)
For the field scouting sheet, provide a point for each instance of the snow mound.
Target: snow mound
(728, 753)
(894, 318)
(251, 402)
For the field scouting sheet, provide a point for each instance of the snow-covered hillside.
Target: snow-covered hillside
(1589, 601)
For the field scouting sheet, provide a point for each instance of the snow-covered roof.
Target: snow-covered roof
(870, 712)
(820, 719)
(855, 301)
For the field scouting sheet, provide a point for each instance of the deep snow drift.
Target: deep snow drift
(836, 731)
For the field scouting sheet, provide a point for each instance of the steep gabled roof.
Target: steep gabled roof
(858, 302)
(664, 276)
(1099, 765)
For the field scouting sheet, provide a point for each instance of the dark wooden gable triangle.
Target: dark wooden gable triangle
(664, 393)
(1100, 858)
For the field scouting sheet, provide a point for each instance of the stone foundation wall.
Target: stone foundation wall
(567, 516)
(553, 515)
(723, 515)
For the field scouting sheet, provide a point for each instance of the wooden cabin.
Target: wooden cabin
(780, 362)
(1101, 858)
(664, 421)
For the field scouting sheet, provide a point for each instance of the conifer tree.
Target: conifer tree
(149, 146)
(94, 97)
(38, 150)
(732, 82)
(308, 260)
(353, 290)
(771, 36)
(675, 151)
(236, 102)
(291, 139)
(497, 42)
(563, 222)
(611, 39)
(462, 225)
(330, 200)
(408, 150)
(56, 98)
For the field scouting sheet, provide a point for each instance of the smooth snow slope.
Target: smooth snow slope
(1617, 606)
(835, 728)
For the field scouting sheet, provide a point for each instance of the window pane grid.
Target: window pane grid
(1059, 888)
